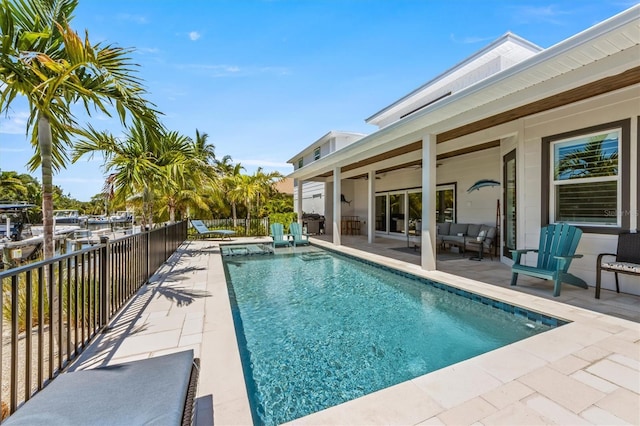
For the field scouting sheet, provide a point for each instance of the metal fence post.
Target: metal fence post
(147, 272)
(104, 281)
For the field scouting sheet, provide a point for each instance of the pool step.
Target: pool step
(247, 250)
(314, 256)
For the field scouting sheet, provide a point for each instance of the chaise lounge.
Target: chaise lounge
(159, 390)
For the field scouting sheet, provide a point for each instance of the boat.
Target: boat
(17, 243)
(98, 220)
(121, 217)
(71, 217)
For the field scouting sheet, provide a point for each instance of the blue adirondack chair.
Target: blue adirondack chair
(278, 235)
(299, 239)
(558, 243)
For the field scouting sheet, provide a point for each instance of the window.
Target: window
(300, 162)
(587, 177)
(316, 154)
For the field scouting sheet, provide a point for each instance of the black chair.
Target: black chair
(627, 259)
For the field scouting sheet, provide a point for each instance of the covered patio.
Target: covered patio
(494, 272)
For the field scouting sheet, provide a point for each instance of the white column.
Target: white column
(337, 205)
(299, 204)
(428, 241)
(371, 207)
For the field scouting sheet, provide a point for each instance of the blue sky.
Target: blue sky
(264, 79)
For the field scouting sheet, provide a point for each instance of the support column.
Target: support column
(299, 203)
(428, 240)
(371, 207)
(337, 206)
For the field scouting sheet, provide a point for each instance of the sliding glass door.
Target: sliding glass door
(446, 203)
(399, 212)
(381, 213)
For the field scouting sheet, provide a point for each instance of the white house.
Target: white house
(508, 114)
(313, 193)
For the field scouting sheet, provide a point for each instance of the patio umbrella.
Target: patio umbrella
(482, 183)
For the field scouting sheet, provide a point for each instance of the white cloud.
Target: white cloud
(224, 70)
(14, 124)
(194, 35)
(263, 163)
(13, 149)
(138, 19)
(470, 39)
(532, 14)
(147, 50)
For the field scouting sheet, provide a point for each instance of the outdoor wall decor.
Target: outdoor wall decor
(482, 183)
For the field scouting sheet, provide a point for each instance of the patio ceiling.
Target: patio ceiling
(599, 60)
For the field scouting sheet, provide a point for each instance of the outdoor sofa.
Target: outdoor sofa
(466, 236)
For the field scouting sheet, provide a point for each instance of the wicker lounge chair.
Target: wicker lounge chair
(627, 260)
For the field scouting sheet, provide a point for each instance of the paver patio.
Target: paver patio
(586, 372)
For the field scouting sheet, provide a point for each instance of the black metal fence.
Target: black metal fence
(242, 227)
(52, 309)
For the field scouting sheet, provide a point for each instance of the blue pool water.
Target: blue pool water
(319, 329)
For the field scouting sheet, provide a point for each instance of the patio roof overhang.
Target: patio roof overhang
(601, 59)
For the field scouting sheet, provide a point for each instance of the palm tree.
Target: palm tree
(230, 180)
(133, 164)
(44, 60)
(265, 183)
(12, 187)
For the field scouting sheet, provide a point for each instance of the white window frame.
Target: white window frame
(555, 183)
(316, 154)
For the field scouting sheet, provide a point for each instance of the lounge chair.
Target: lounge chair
(299, 239)
(627, 260)
(278, 236)
(558, 243)
(203, 231)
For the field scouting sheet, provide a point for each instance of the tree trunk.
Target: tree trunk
(45, 144)
(51, 284)
(234, 214)
(172, 211)
(248, 224)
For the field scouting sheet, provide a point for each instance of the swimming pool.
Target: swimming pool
(317, 329)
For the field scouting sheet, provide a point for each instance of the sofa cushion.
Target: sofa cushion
(490, 232)
(473, 230)
(622, 266)
(458, 228)
(453, 238)
(443, 228)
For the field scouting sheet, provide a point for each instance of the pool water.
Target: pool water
(319, 329)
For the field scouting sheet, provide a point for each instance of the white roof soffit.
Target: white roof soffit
(322, 140)
(614, 35)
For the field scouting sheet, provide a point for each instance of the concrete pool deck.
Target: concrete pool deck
(586, 372)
